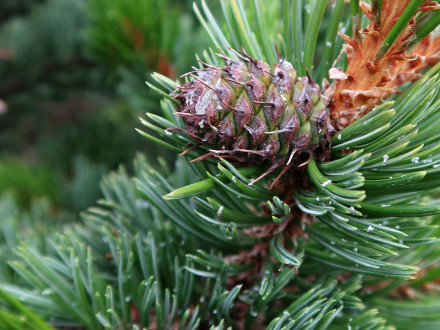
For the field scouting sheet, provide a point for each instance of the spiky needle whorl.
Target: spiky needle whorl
(252, 112)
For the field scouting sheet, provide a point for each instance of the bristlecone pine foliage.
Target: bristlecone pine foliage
(347, 237)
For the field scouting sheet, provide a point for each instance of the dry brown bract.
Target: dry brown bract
(369, 78)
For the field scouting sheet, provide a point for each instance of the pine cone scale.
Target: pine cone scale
(255, 89)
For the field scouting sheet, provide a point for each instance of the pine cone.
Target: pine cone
(252, 112)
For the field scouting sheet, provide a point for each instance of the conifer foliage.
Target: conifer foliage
(346, 237)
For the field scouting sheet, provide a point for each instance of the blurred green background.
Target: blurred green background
(72, 86)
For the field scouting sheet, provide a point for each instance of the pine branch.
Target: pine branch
(203, 245)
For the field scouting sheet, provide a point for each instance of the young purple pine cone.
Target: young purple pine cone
(252, 112)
